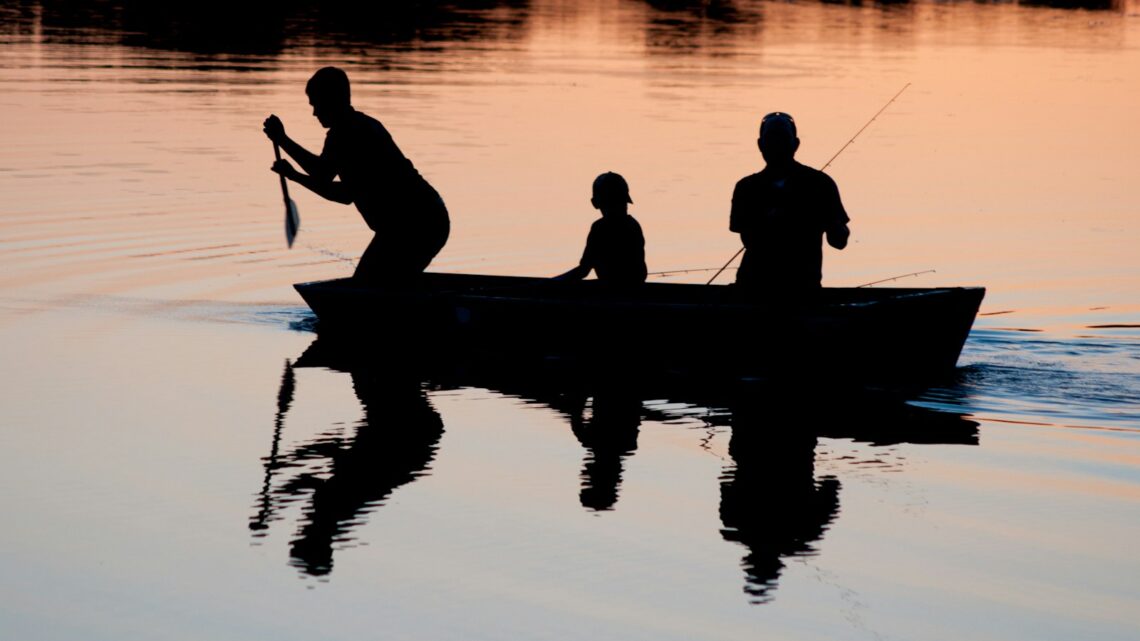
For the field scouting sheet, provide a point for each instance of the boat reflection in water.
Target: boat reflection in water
(771, 501)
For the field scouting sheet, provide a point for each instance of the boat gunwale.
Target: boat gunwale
(652, 299)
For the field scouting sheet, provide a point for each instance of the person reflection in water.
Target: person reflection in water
(393, 445)
(615, 247)
(610, 436)
(408, 216)
(770, 501)
(782, 212)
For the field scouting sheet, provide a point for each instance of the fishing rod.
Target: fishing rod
(825, 166)
(673, 272)
(887, 280)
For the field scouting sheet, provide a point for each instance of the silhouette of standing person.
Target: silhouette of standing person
(782, 212)
(407, 215)
(615, 247)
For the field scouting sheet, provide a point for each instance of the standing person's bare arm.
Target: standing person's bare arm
(836, 230)
(333, 190)
(318, 177)
(837, 235)
(311, 163)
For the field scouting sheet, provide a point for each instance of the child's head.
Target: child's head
(611, 193)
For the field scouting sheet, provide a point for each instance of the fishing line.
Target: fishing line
(331, 253)
(887, 280)
(673, 272)
(741, 250)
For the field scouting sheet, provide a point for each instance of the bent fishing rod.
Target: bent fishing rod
(825, 166)
(901, 276)
(673, 272)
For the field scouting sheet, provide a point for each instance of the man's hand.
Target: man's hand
(285, 169)
(274, 130)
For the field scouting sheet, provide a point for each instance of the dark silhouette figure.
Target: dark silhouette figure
(615, 248)
(407, 214)
(770, 500)
(610, 436)
(347, 478)
(782, 212)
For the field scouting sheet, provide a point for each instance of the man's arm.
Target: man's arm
(312, 164)
(836, 229)
(837, 235)
(333, 190)
(736, 214)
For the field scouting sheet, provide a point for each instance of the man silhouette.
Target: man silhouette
(407, 215)
(782, 212)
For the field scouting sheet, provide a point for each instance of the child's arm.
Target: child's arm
(578, 273)
(584, 265)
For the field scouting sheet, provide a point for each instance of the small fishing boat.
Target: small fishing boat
(867, 333)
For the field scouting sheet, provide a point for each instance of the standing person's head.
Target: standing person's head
(778, 141)
(329, 95)
(611, 194)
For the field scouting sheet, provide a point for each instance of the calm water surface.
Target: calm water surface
(173, 468)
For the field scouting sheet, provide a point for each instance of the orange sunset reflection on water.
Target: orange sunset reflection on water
(180, 462)
(1006, 163)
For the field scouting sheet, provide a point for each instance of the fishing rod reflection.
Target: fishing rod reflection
(772, 501)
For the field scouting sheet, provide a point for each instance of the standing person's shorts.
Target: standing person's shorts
(400, 254)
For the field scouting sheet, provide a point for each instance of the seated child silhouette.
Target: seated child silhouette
(615, 248)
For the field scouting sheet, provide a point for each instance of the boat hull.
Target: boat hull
(865, 333)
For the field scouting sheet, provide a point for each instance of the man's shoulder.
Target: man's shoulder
(364, 120)
(358, 124)
(751, 179)
(812, 174)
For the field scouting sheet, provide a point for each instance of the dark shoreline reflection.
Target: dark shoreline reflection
(771, 500)
(260, 27)
(216, 29)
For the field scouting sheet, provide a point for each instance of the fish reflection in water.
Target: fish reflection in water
(771, 500)
(347, 477)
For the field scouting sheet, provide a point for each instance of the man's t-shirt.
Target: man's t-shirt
(386, 188)
(782, 223)
(615, 249)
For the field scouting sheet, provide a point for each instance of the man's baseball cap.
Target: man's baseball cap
(778, 118)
